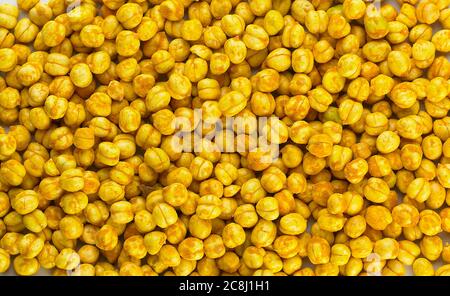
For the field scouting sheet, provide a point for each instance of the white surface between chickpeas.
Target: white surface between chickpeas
(444, 236)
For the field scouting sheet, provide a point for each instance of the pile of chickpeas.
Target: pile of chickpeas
(93, 180)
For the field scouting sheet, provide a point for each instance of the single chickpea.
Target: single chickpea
(361, 247)
(106, 238)
(53, 33)
(349, 66)
(419, 189)
(25, 202)
(430, 223)
(405, 215)
(92, 36)
(255, 37)
(8, 58)
(316, 21)
(232, 25)
(154, 241)
(108, 153)
(127, 43)
(72, 180)
(273, 22)
(319, 99)
(24, 266)
(323, 51)
(233, 235)
(354, 9)
(338, 27)
(376, 190)
(47, 256)
(30, 245)
(71, 227)
(121, 212)
(378, 217)
(263, 234)
(81, 75)
(67, 259)
(318, 250)
(25, 31)
(439, 40)
(423, 267)
(9, 14)
(129, 15)
(302, 60)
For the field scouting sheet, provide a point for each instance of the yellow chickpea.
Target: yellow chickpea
(106, 238)
(419, 189)
(323, 51)
(318, 250)
(263, 234)
(9, 14)
(8, 58)
(127, 43)
(5, 260)
(67, 259)
(376, 190)
(319, 99)
(255, 37)
(378, 217)
(71, 227)
(302, 60)
(440, 40)
(130, 15)
(423, 267)
(53, 33)
(25, 202)
(24, 266)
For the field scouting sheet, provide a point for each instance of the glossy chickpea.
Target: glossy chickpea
(232, 25)
(74, 203)
(430, 223)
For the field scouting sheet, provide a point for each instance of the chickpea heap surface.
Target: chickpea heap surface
(93, 180)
